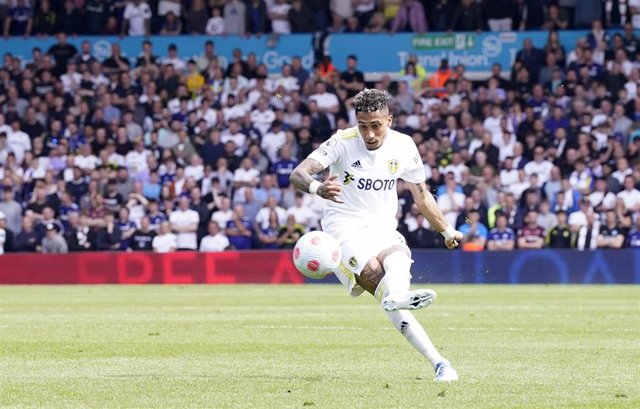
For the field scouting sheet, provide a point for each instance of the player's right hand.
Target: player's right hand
(454, 241)
(330, 189)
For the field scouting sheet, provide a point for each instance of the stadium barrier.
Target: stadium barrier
(276, 267)
(232, 267)
(528, 267)
(377, 53)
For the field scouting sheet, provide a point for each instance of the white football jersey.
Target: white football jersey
(369, 180)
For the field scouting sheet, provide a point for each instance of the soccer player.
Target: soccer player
(365, 163)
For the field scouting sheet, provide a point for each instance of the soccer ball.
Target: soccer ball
(316, 254)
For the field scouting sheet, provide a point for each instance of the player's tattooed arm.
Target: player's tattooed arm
(302, 175)
(428, 206)
(302, 178)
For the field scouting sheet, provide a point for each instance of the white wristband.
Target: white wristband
(448, 232)
(313, 187)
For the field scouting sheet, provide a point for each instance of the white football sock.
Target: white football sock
(397, 275)
(397, 278)
(409, 326)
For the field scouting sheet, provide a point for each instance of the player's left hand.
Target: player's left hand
(454, 241)
(330, 189)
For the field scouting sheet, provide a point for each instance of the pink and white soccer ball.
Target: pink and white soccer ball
(317, 254)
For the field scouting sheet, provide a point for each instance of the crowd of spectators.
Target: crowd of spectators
(214, 17)
(162, 153)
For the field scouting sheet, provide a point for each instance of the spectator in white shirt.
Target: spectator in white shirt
(508, 174)
(262, 218)
(302, 214)
(246, 175)
(258, 90)
(492, 123)
(273, 140)
(286, 80)
(207, 113)
(506, 144)
(539, 165)
(452, 201)
(137, 17)
(262, 117)
(630, 196)
(71, 79)
(517, 188)
(236, 83)
(136, 159)
(184, 222)
(234, 135)
(279, 16)
(456, 167)
(234, 16)
(86, 160)
(316, 204)
(215, 241)
(601, 199)
(215, 24)
(174, 60)
(224, 213)
(623, 170)
(18, 141)
(165, 241)
(113, 158)
(634, 6)
(37, 169)
(412, 220)
(235, 110)
(195, 169)
(328, 102)
(181, 100)
(578, 218)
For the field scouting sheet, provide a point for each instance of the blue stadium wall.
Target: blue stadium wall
(525, 267)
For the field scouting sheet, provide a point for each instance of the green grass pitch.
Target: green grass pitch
(314, 346)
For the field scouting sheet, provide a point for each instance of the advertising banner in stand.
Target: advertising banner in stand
(229, 267)
(274, 53)
(377, 53)
(384, 53)
(276, 267)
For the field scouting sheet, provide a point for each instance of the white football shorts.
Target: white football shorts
(358, 247)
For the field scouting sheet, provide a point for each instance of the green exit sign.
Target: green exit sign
(443, 41)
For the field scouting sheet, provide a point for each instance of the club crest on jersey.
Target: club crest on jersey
(353, 261)
(393, 166)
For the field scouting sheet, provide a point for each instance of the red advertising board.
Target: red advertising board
(232, 267)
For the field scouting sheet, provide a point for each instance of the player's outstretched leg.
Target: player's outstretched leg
(393, 272)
